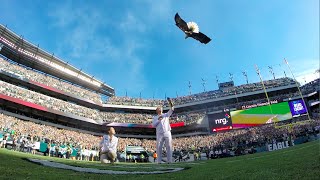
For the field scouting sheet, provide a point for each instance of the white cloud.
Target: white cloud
(84, 43)
(304, 70)
(132, 23)
(160, 9)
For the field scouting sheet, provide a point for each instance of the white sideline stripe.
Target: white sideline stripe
(155, 165)
(137, 167)
(272, 154)
(98, 171)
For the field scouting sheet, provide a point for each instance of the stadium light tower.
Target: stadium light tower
(284, 72)
(264, 88)
(217, 80)
(189, 88)
(271, 71)
(305, 81)
(231, 76)
(297, 87)
(204, 84)
(245, 76)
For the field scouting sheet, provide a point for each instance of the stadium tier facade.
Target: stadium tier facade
(37, 86)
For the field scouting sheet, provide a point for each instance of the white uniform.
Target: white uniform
(163, 130)
(108, 148)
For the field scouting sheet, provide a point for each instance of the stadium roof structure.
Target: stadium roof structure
(23, 52)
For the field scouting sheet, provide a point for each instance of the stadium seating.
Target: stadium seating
(47, 101)
(67, 107)
(230, 140)
(311, 86)
(48, 80)
(203, 96)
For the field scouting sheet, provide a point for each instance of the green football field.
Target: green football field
(298, 162)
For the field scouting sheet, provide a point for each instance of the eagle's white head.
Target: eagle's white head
(193, 27)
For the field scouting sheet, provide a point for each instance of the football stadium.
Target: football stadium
(53, 116)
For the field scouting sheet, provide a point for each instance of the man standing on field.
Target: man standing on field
(163, 131)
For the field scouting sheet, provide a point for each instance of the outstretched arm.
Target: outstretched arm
(169, 113)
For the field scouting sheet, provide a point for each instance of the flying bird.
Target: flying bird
(191, 29)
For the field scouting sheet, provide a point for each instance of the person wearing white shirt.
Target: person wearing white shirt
(163, 132)
(211, 154)
(108, 147)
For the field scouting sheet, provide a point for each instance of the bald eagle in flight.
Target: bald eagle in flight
(191, 29)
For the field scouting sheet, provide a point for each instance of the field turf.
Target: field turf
(298, 162)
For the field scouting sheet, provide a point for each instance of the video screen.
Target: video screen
(260, 115)
(220, 121)
(297, 107)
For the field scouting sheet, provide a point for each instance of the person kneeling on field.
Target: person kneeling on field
(108, 146)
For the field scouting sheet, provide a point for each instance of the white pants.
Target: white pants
(111, 156)
(161, 138)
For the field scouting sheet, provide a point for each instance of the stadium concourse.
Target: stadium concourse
(49, 107)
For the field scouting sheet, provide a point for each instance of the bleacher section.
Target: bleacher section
(47, 80)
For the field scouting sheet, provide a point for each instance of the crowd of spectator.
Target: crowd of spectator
(140, 118)
(68, 107)
(249, 137)
(39, 132)
(236, 90)
(315, 112)
(136, 118)
(84, 93)
(204, 95)
(311, 86)
(47, 101)
(131, 101)
(188, 117)
(49, 81)
(120, 117)
(229, 140)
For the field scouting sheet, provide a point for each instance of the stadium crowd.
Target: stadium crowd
(230, 141)
(311, 86)
(134, 101)
(248, 138)
(84, 93)
(120, 117)
(48, 80)
(141, 118)
(67, 107)
(31, 132)
(245, 88)
(47, 101)
(138, 118)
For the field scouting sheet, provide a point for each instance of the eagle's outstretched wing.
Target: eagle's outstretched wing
(181, 23)
(201, 37)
